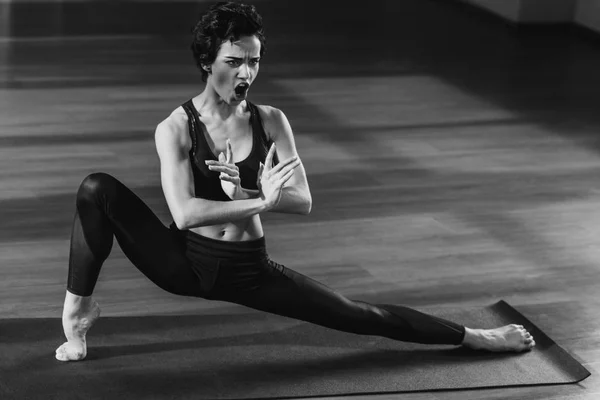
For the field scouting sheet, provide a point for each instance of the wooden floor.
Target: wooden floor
(453, 161)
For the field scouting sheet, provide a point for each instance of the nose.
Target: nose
(244, 71)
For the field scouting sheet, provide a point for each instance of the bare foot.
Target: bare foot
(507, 338)
(79, 315)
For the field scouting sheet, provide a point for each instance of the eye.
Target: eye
(233, 63)
(254, 62)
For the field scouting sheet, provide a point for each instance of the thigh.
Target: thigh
(283, 291)
(156, 250)
(159, 253)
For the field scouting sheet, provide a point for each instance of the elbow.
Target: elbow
(180, 223)
(307, 206)
(180, 218)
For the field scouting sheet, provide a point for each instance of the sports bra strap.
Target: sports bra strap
(257, 126)
(188, 107)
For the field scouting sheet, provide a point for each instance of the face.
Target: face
(235, 68)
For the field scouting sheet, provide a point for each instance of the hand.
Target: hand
(230, 175)
(272, 179)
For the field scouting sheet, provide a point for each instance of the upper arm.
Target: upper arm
(279, 130)
(173, 144)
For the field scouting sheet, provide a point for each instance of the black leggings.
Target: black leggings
(184, 263)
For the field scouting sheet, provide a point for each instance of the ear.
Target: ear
(207, 68)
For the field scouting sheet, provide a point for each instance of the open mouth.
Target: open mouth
(241, 89)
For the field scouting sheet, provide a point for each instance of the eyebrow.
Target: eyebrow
(240, 58)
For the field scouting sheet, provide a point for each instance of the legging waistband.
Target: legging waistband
(244, 250)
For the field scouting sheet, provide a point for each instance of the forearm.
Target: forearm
(294, 201)
(245, 194)
(201, 212)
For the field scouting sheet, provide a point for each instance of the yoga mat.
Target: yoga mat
(257, 355)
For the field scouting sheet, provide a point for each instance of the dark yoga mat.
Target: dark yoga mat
(257, 355)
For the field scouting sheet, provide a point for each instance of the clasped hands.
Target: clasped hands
(270, 180)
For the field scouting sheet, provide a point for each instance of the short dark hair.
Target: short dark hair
(224, 21)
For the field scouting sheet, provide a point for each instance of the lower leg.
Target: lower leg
(88, 251)
(414, 326)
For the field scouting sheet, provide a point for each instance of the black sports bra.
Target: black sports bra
(207, 184)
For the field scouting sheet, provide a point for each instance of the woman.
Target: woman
(215, 249)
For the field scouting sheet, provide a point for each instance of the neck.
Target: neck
(210, 103)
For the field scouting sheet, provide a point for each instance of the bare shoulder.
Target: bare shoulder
(269, 113)
(173, 130)
(274, 120)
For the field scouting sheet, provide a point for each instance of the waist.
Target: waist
(199, 245)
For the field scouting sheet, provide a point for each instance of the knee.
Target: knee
(94, 185)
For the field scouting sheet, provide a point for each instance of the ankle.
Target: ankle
(75, 304)
(472, 337)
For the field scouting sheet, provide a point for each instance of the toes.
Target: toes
(518, 328)
(68, 353)
(61, 354)
(61, 348)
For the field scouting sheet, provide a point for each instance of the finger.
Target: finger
(220, 163)
(224, 169)
(286, 169)
(259, 173)
(222, 157)
(213, 162)
(285, 178)
(252, 192)
(232, 179)
(229, 151)
(283, 164)
(269, 158)
(260, 170)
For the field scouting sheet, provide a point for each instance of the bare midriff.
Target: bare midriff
(238, 231)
